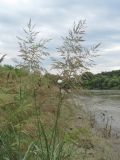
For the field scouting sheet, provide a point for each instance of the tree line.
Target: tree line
(104, 80)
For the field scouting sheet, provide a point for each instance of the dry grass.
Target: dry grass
(74, 123)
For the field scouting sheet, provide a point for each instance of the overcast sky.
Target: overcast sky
(53, 18)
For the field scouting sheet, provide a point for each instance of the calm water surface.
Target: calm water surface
(105, 105)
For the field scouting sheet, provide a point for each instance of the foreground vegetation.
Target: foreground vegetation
(40, 118)
(37, 121)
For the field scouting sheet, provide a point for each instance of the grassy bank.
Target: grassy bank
(39, 122)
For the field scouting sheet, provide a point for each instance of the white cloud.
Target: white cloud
(53, 19)
(112, 49)
(14, 3)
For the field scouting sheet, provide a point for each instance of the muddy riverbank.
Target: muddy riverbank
(104, 105)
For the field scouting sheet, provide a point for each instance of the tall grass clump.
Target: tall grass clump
(50, 147)
(32, 125)
(47, 144)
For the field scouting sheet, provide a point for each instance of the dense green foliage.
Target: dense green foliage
(104, 80)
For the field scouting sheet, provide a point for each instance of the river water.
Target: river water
(105, 106)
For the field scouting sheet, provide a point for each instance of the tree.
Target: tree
(32, 52)
(74, 57)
